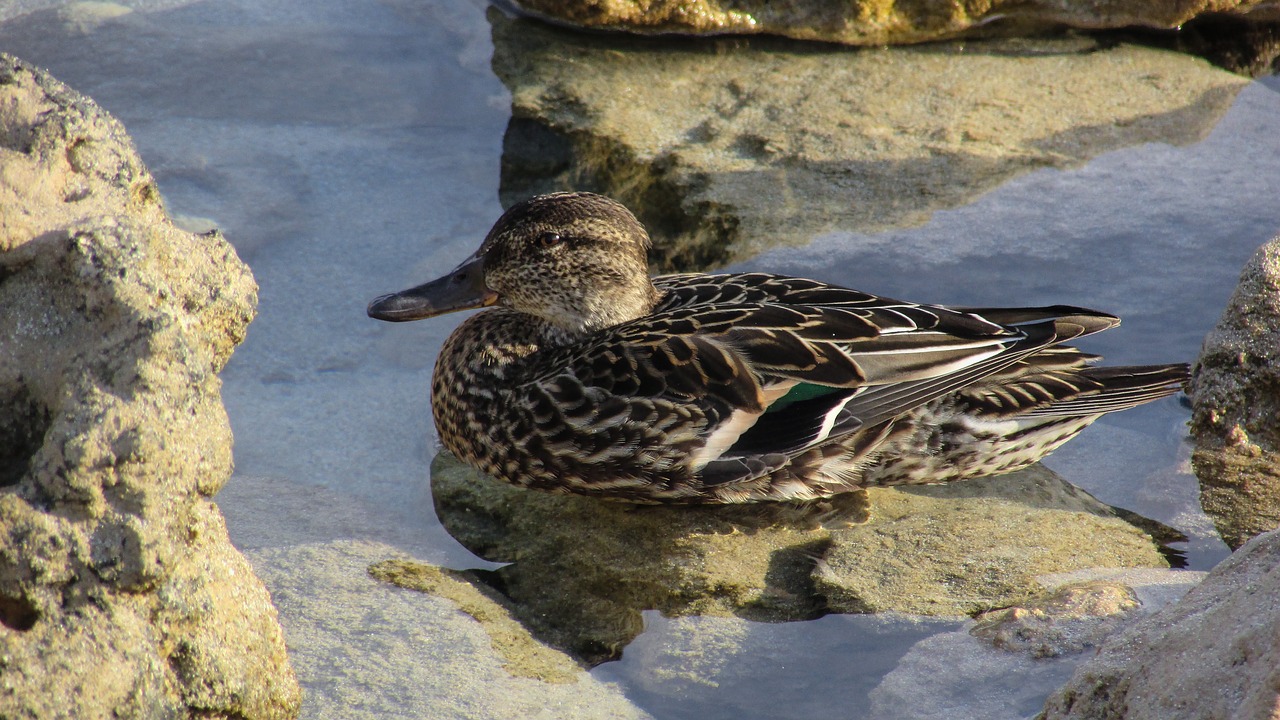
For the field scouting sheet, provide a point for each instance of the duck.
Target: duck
(582, 374)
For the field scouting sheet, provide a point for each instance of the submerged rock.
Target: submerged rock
(1235, 391)
(959, 675)
(582, 570)
(1213, 654)
(725, 149)
(120, 594)
(879, 23)
(1070, 619)
(720, 667)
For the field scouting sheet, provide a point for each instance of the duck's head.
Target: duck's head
(576, 260)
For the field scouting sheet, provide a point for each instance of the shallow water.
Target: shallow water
(352, 148)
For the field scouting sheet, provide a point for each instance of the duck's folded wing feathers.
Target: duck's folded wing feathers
(699, 379)
(1075, 392)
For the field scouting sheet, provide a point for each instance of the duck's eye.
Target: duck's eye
(549, 239)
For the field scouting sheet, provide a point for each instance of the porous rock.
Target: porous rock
(1235, 392)
(1213, 654)
(1068, 620)
(120, 594)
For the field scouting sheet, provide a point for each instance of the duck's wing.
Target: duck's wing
(733, 377)
(811, 415)
(894, 352)
(699, 289)
(1058, 384)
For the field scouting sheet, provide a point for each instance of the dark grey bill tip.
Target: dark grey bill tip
(394, 307)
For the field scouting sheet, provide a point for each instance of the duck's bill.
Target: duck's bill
(461, 289)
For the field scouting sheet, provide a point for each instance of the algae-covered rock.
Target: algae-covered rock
(1235, 391)
(729, 148)
(582, 570)
(522, 655)
(1213, 654)
(1068, 620)
(963, 548)
(120, 594)
(878, 22)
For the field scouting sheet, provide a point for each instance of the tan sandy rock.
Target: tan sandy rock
(1236, 395)
(120, 594)
(727, 149)
(880, 22)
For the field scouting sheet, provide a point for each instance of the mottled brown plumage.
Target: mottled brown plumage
(591, 377)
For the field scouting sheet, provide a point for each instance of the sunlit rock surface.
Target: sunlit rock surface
(1236, 394)
(968, 547)
(583, 570)
(878, 22)
(366, 649)
(727, 148)
(120, 595)
(1214, 654)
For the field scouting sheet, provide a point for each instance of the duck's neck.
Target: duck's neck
(483, 361)
(491, 344)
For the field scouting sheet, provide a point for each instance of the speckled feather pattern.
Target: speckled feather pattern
(594, 378)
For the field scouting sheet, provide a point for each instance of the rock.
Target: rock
(120, 594)
(522, 655)
(1214, 654)
(702, 666)
(368, 650)
(1081, 608)
(964, 548)
(728, 149)
(583, 570)
(1154, 588)
(959, 675)
(956, 676)
(1235, 392)
(1072, 618)
(881, 23)
(1237, 43)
